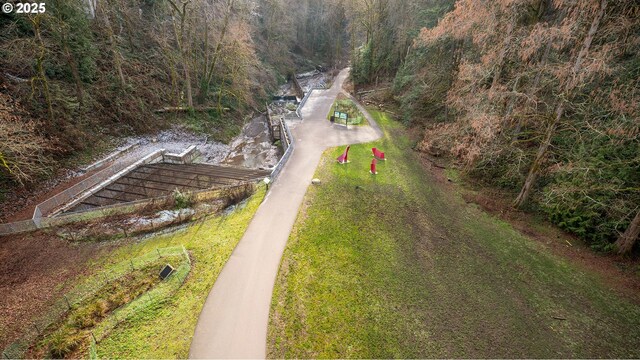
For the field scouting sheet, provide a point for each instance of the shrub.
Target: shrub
(90, 315)
(22, 149)
(291, 106)
(182, 200)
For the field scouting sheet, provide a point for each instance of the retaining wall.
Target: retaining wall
(185, 157)
(154, 157)
(133, 206)
(111, 157)
(296, 86)
(110, 210)
(288, 147)
(18, 227)
(304, 101)
(62, 198)
(88, 186)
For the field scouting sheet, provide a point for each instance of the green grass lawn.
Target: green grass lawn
(164, 329)
(395, 265)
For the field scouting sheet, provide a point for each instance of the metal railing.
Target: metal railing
(288, 147)
(74, 193)
(303, 101)
(72, 196)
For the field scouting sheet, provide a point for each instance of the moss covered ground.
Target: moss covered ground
(398, 266)
(164, 328)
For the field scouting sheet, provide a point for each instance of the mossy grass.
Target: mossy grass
(164, 329)
(74, 333)
(157, 320)
(396, 265)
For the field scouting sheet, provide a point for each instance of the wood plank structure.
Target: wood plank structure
(160, 179)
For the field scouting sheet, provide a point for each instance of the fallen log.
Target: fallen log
(173, 109)
(370, 91)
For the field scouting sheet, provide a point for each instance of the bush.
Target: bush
(291, 106)
(597, 212)
(22, 149)
(501, 165)
(182, 200)
(89, 316)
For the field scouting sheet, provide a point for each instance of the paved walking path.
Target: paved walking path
(234, 320)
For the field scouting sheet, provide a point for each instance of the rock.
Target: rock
(316, 181)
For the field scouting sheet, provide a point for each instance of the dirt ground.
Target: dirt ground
(20, 204)
(37, 268)
(33, 269)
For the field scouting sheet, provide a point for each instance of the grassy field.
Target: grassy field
(165, 328)
(396, 265)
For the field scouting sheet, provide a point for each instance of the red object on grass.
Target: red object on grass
(377, 153)
(344, 158)
(373, 166)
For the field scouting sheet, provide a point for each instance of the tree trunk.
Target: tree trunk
(184, 57)
(187, 81)
(114, 47)
(42, 77)
(512, 101)
(216, 53)
(534, 170)
(502, 54)
(75, 73)
(182, 49)
(626, 241)
(532, 89)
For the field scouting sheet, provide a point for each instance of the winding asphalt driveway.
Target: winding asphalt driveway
(234, 320)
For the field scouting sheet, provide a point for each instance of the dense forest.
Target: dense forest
(537, 97)
(84, 70)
